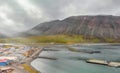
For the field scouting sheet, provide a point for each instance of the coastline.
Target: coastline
(27, 65)
(66, 58)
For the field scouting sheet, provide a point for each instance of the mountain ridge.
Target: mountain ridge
(100, 26)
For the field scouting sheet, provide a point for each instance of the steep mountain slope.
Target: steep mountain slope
(101, 26)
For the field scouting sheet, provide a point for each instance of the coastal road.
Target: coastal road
(34, 56)
(27, 61)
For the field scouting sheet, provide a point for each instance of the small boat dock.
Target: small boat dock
(104, 62)
(94, 61)
(114, 64)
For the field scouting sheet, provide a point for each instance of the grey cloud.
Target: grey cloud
(53, 9)
(22, 20)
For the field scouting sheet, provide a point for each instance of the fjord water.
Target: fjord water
(74, 62)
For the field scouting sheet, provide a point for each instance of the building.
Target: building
(8, 57)
(4, 62)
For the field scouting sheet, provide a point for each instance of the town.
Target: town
(12, 57)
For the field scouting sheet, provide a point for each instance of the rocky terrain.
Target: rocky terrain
(89, 26)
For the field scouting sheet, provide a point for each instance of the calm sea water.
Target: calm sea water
(73, 62)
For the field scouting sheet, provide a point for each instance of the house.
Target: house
(6, 69)
(8, 57)
(3, 62)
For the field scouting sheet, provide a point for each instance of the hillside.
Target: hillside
(89, 26)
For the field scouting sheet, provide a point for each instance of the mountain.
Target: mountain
(3, 35)
(100, 26)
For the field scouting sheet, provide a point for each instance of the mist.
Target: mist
(21, 15)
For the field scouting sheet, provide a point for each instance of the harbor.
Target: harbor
(33, 59)
(60, 59)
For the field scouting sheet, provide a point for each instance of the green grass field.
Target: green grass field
(66, 39)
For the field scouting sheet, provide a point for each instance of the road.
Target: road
(27, 61)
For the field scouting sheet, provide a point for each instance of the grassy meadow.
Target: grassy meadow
(65, 39)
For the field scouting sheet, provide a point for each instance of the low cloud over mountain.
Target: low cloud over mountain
(21, 15)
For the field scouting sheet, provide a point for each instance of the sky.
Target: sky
(21, 15)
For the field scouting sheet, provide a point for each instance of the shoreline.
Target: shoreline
(27, 65)
(36, 54)
(47, 44)
(24, 66)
